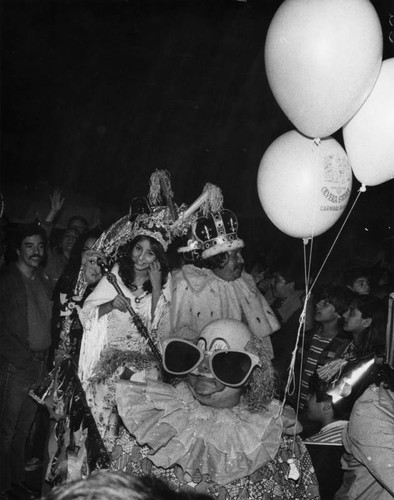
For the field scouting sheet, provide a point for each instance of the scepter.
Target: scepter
(135, 317)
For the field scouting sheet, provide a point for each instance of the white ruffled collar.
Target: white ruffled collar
(227, 444)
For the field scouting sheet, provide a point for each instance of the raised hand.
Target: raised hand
(57, 201)
(154, 272)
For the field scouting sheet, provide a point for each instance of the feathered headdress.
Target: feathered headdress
(158, 216)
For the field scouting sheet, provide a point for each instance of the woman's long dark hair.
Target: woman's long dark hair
(126, 265)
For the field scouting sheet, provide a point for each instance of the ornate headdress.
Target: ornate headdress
(160, 211)
(159, 217)
(217, 232)
(156, 224)
(115, 236)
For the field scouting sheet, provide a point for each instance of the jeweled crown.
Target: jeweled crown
(156, 224)
(217, 232)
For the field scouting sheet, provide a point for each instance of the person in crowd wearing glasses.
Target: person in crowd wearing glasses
(218, 287)
(216, 429)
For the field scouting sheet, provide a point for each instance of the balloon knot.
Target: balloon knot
(363, 188)
(305, 241)
(317, 141)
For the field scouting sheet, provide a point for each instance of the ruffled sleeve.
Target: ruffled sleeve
(227, 444)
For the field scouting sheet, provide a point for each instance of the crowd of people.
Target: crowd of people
(126, 373)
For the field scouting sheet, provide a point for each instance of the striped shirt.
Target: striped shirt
(330, 434)
(317, 347)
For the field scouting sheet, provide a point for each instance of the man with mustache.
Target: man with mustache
(25, 316)
(217, 287)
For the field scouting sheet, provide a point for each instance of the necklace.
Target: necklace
(140, 297)
(137, 287)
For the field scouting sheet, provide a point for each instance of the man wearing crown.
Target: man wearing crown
(218, 287)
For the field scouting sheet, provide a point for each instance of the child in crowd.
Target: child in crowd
(325, 447)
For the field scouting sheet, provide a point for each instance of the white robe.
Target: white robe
(199, 297)
(117, 329)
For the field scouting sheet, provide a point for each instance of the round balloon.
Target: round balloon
(304, 185)
(369, 135)
(322, 59)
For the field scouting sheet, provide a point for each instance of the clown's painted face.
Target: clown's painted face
(208, 380)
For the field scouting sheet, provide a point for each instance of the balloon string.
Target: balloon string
(362, 189)
(317, 143)
(290, 384)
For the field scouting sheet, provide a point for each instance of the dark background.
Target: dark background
(95, 95)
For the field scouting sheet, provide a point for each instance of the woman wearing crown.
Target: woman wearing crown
(112, 343)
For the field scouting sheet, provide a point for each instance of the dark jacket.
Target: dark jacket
(14, 344)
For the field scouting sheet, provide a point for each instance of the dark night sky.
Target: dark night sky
(96, 95)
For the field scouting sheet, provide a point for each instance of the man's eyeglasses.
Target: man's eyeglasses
(230, 367)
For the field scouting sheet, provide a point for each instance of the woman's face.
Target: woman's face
(143, 255)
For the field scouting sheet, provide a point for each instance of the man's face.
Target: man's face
(354, 321)
(31, 251)
(234, 266)
(280, 287)
(205, 387)
(325, 311)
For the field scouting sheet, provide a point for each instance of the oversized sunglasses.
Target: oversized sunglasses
(230, 367)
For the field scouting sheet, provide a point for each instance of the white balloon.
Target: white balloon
(369, 135)
(304, 185)
(322, 59)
